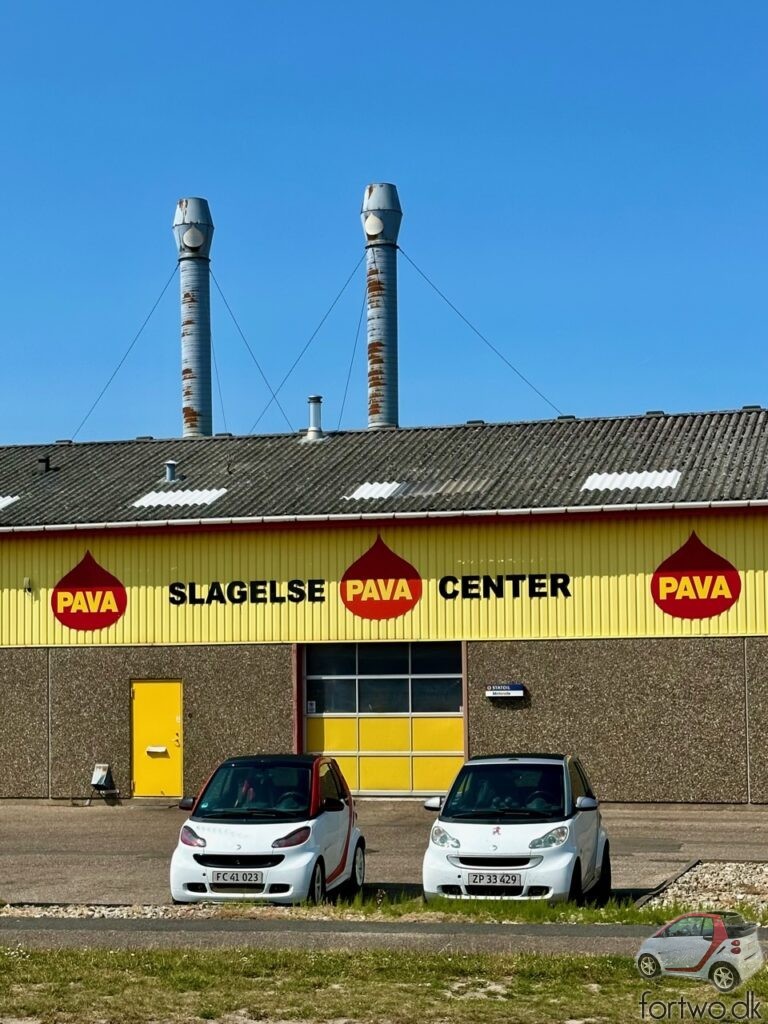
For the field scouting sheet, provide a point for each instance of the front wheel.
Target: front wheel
(575, 892)
(357, 876)
(602, 890)
(316, 894)
(649, 966)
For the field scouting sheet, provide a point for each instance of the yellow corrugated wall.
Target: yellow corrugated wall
(610, 564)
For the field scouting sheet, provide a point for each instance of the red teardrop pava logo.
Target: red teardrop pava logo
(380, 584)
(89, 597)
(695, 582)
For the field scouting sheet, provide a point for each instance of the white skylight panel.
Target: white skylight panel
(8, 499)
(373, 490)
(649, 479)
(160, 499)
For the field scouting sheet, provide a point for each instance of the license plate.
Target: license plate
(494, 878)
(237, 877)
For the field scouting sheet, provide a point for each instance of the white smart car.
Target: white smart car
(278, 828)
(518, 826)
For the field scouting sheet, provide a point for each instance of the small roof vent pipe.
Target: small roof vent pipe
(315, 429)
(170, 471)
(381, 215)
(193, 231)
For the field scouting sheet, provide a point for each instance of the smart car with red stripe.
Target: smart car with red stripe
(721, 947)
(276, 828)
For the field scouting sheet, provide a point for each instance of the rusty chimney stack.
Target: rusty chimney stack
(381, 215)
(193, 230)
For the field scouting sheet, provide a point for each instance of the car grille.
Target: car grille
(493, 862)
(494, 890)
(236, 887)
(238, 860)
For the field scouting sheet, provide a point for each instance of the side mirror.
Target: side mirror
(331, 803)
(186, 803)
(586, 803)
(434, 803)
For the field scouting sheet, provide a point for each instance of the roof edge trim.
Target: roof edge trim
(357, 517)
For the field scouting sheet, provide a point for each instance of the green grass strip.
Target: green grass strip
(123, 987)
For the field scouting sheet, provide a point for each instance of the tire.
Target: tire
(355, 882)
(575, 892)
(601, 892)
(724, 976)
(316, 891)
(648, 965)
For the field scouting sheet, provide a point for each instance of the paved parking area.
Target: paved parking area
(51, 853)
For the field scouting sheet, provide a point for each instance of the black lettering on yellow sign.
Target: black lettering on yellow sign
(247, 592)
(533, 584)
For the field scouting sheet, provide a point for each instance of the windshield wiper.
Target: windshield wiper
(246, 812)
(498, 812)
(524, 812)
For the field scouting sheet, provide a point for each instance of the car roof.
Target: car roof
(528, 758)
(296, 759)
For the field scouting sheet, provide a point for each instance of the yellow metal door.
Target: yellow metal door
(157, 738)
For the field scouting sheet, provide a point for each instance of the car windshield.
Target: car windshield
(503, 792)
(257, 791)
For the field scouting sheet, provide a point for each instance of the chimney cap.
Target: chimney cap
(381, 213)
(315, 429)
(193, 227)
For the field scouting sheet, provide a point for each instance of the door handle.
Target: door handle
(157, 750)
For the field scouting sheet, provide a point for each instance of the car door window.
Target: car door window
(687, 926)
(577, 786)
(340, 787)
(588, 791)
(328, 786)
(708, 929)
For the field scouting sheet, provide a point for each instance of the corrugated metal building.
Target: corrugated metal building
(380, 595)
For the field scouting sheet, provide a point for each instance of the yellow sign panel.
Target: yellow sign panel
(679, 576)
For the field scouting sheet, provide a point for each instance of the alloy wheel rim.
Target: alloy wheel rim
(318, 884)
(359, 866)
(723, 977)
(647, 966)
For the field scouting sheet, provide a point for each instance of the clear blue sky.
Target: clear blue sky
(587, 182)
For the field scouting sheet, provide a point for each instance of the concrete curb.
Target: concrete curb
(660, 888)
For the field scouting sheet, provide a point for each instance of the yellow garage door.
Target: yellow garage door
(391, 714)
(157, 737)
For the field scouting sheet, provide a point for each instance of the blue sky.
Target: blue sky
(586, 182)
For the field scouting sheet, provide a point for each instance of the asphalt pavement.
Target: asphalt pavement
(57, 853)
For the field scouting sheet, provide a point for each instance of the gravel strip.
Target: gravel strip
(718, 886)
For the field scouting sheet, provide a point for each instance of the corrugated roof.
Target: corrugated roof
(720, 457)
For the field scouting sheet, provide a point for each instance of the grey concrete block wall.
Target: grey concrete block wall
(652, 719)
(757, 673)
(23, 722)
(236, 700)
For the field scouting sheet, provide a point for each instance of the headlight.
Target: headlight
(554, 838)
(189, 837)
(295, 838)
(442, 838)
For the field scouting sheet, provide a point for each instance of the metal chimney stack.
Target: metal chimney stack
(193, 230)
(381, 215)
